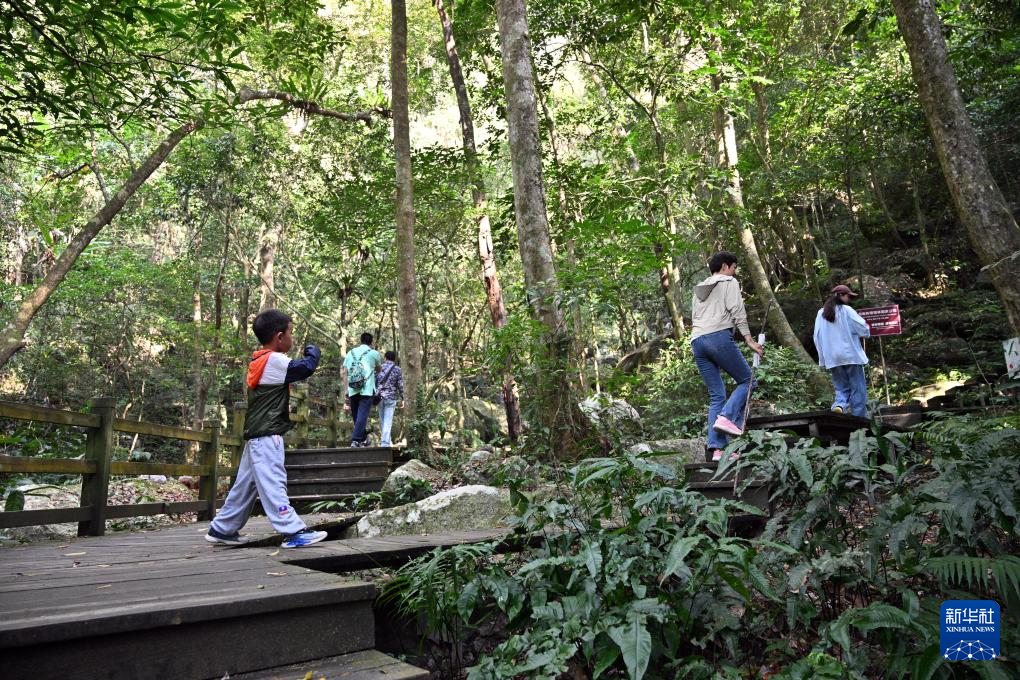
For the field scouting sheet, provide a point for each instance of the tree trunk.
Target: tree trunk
(407, 297)
(726, 134)
(561, 417)
(13, 338)
(267, 265)
(486, 249)
(993, 231)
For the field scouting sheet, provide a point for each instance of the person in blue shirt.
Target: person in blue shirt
(838, 333)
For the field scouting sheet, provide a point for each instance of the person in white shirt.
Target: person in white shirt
(838, 333)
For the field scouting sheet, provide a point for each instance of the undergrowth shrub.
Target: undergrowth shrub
(634, 575)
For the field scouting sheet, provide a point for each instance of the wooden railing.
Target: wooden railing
(323, 418)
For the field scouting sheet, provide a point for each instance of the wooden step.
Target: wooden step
(303, 503)
(329, 456)
(701, 478)
(338, 471)
(368, 665)
(299, 488)
(204, 625)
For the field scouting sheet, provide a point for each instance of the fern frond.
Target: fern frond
(973, 572)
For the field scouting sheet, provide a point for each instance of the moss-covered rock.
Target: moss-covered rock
(683, 450)
(401, 482)
(462, 509)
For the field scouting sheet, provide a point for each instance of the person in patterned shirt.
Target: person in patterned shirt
(390, 390)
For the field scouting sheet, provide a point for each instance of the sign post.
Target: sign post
(1011, 348)
(883, 321)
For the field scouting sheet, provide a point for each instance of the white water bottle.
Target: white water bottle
(757, 357)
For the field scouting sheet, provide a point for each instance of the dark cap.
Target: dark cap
(844, 290)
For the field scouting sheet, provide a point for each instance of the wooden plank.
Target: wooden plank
(27, 518)
(214, 648)
(169, 469)
(147, 509)
(231, 440)
(367, 665)
(70, 466)
(152, 429)
(44, 414)
(176, 607)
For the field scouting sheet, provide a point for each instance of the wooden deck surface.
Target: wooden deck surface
(63, 590)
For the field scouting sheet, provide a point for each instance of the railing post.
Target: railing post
(95, 487)
(210, 457)
(333, 415)
(240, 412)
(301, 431)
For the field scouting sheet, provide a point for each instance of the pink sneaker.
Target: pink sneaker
(717, 455)
(726, 425)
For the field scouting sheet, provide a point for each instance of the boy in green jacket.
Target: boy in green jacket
(261, 472)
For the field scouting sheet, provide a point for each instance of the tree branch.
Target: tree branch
(246, 94)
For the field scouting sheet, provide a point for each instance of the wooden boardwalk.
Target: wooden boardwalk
(166, 604)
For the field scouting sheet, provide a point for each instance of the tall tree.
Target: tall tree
(407, 294)
(562, 419)
(12, 337)
(993, 231)
(486, 250)
(726, 137)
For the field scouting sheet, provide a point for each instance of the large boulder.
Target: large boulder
(488, 467)
(607, 412)
(462, 509)
(681, 451)
(401, 482)
(488, 420)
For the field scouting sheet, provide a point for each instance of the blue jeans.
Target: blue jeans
(851, 389)
(361, 407)
(386, 409)
(714, 353)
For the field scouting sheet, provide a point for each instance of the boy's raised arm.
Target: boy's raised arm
(299, 369)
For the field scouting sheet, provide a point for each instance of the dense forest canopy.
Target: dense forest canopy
(171, 167)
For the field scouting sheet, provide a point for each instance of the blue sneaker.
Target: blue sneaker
(303, 538)
(225, 539)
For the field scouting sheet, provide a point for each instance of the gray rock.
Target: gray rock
(486, 419)
(399, 480)
(686, 450)
(462, 509)
(480, 457)
(603, 409)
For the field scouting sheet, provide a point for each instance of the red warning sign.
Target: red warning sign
(882, 320)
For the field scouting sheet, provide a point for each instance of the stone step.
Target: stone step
(337, 471)
(368, 665)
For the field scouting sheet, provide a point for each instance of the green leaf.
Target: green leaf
(800, 463)
(675, 565)
(592, 553)
(607, 656)
(929, 662)
(635, 643)
(15, 501)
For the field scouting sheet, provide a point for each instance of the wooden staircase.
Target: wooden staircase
(168, 605)
(332, 474)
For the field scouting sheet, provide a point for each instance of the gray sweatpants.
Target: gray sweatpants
(261, 474)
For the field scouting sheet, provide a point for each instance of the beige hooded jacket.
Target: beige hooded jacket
(718, 306)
